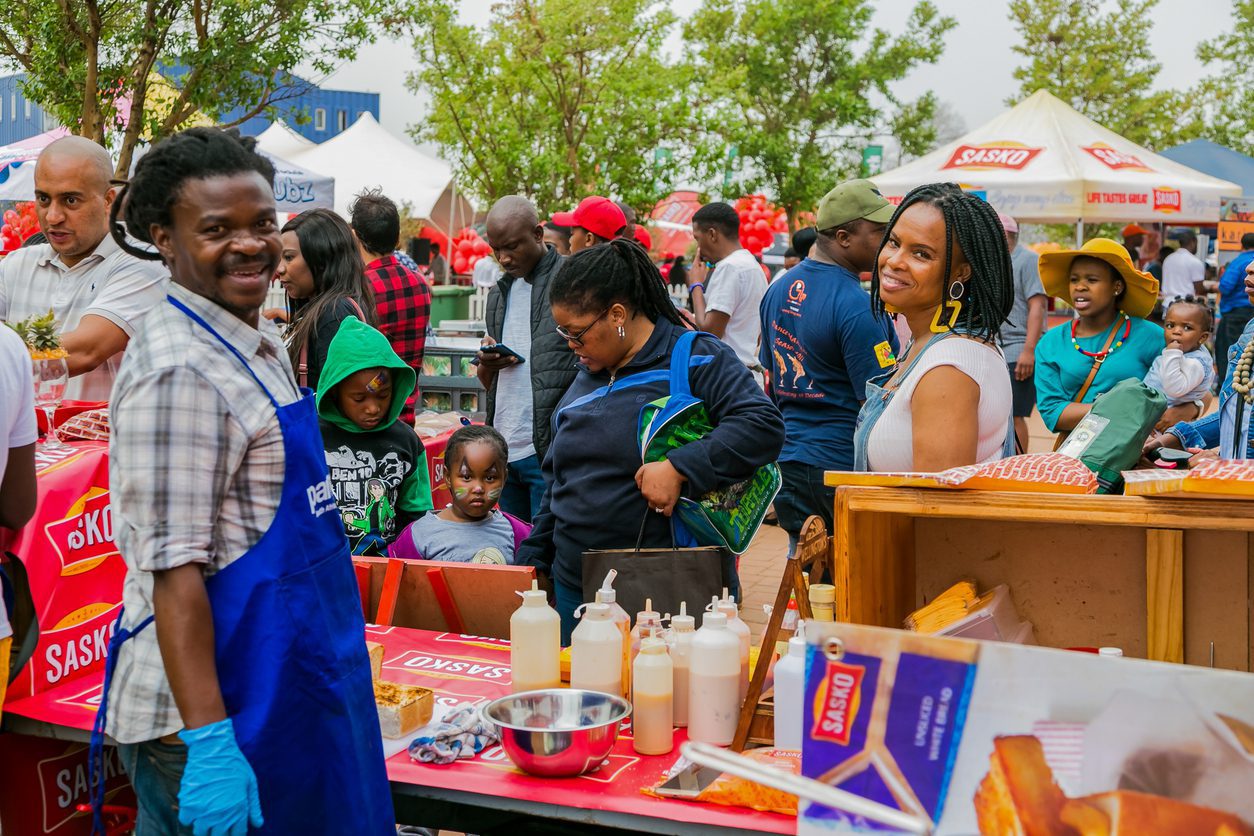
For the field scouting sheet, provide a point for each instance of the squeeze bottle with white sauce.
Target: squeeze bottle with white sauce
(727, 606)
(713, 692)
(682, 627)
(790, 677)
(596, 651)
(607, 595)
(652, 701)
(648, 623)
(535, 643)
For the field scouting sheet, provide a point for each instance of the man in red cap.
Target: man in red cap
(1134, 239)
(596, 220)
(643, 238)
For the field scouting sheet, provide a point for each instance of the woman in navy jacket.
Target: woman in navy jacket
(611, 306)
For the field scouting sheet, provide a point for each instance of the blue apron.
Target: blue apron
(291, 652)
(878, 396)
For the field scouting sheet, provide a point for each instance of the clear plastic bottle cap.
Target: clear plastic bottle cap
(797, 646)
(717, 620)
(594, 612)
(653, 645)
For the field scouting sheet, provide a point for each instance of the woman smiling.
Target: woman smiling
(944, 266)
(1108, 341)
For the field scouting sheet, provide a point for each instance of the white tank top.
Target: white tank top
(890, 446)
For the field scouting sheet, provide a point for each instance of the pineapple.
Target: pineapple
(41, 335)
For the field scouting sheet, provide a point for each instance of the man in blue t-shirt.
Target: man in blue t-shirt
(1235, 310)
(821, 343)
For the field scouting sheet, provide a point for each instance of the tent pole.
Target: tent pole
(1079, 233)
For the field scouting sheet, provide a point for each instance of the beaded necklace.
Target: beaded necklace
(1241, 375)
(1102, 355)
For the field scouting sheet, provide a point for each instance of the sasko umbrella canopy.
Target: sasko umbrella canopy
(1043, 162)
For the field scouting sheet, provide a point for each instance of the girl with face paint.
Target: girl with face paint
(471, 529)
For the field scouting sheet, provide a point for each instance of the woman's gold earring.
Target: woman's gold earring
(952, 305)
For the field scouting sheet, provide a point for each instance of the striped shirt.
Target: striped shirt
(196, 473)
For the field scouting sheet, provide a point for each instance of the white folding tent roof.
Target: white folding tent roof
(1043, 162)
(366, 156)
(17, 164)
(281, 141)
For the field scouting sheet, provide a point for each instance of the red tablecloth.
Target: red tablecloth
(460, 668)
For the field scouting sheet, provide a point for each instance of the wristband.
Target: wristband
(696, 285)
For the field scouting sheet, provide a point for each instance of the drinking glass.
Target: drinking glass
(51, 377)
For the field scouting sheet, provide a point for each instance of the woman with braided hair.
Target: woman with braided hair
(611, 306)
(236, 685)
(943, 265)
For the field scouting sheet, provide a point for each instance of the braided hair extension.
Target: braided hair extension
(194, 154)
(330, 252)
(620, 271)
(973, 226)
(473, 434)
(1208, 316)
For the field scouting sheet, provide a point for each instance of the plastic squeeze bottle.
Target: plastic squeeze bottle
(607, 595)
(596, 651)
(727, 606)
(790, 677)
(652, 701)
(535, 643)
(713, 692)
(682, 627)
(648, 623)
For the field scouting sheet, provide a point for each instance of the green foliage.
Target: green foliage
(1222, 105)
(800, 88)
(101, 66)
(1095, 55)
(556, 99)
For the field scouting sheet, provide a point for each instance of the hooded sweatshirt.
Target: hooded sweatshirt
(379, 475)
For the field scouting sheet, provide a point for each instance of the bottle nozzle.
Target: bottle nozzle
(606, 593)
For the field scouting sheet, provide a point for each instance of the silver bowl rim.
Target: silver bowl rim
(621, 703)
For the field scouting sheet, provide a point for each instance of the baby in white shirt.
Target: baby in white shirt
(1185, 370)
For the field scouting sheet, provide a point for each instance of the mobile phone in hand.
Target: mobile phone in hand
(501, 349)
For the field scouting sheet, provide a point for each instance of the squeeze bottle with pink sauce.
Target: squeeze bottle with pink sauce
(682, 632)
(713, 692)
(596, 652)
(652, 700)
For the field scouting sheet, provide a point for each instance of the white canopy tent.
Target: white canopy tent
(280, 140)
(366, 156)
(1043, 162)
(17, 164)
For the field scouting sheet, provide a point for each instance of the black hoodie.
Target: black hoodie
(592, 501)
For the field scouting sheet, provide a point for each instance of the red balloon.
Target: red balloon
(465, 247)
(481, 247)
(459, 264)
(10, 217)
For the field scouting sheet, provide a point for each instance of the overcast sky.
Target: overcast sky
(974, 75)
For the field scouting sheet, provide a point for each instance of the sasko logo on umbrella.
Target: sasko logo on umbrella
(1115, 159)
(1167, 200)
(992, 155)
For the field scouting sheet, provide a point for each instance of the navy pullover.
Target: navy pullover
(592, 501)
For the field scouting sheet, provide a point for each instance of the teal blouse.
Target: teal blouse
(1061, 370)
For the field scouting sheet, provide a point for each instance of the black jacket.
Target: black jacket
(552, 362)
(592, 501)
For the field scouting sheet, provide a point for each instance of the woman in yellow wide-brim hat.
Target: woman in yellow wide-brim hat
(1109, 333)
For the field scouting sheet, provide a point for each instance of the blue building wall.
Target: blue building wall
(19, 118)
(328, 112)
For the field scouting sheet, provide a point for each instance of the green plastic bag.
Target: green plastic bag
(1109, 439)
(729, 516)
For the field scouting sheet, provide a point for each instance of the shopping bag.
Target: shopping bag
(730, 515)
(667, 576)
(1110, 438)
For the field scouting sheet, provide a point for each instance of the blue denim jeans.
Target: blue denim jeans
(802, 495)
(156, 770)
(524, 489)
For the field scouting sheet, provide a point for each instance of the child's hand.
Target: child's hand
(1176, 344)
(661, 484)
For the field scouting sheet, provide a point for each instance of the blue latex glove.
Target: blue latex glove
(218, 794)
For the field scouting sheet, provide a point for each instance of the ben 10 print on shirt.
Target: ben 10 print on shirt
(366, 489)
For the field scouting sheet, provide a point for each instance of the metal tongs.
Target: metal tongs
(816, 791)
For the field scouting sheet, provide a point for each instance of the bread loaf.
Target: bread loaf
(403, 709)
(1127, 813)
(376, 660)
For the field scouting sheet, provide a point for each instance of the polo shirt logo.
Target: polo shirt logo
(884, 354)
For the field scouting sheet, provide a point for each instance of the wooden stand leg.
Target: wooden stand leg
(1164, 594)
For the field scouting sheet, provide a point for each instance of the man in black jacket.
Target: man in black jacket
(523, 390)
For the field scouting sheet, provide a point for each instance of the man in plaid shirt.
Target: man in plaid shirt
(402, 298)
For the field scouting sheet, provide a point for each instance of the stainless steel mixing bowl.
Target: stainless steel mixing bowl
(557, 732)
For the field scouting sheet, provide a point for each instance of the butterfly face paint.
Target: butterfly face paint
(476, 480)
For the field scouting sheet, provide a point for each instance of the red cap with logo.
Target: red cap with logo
(643, 237)
(599, 215)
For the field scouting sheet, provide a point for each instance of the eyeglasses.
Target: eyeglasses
(577, 338)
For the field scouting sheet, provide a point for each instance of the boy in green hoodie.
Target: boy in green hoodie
(378, 465)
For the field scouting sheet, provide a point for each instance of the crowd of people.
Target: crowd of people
(246, 461)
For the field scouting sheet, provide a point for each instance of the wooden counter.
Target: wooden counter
(1160, 578)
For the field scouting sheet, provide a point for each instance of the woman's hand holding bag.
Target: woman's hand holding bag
(660, 484)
